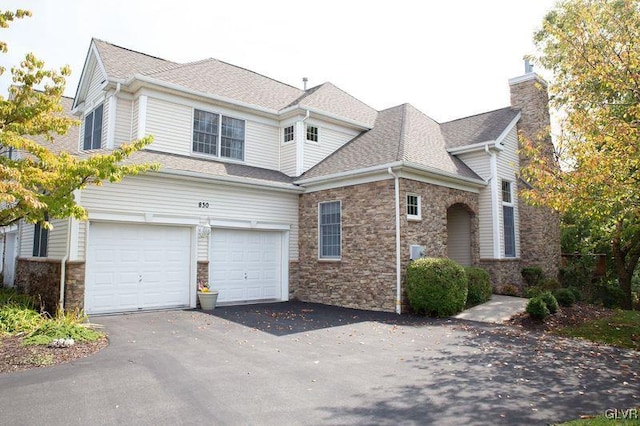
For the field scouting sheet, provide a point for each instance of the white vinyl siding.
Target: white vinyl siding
(179, 198)
(288, 159)
(134, 121)
(82, 240)
(123, 122)
(171, 126)
(26, 240)
(508, 167)
(95, 87)
(479, 162)
(261, 145)
(330, 140)
(58, 238)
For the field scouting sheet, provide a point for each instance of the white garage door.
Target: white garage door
(132, 267)
(246, 265)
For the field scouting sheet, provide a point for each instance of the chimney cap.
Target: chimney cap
(528, 66)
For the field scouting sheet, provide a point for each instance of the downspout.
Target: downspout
(300, 140)
(398, 275)
(495, 220)
(63, 267)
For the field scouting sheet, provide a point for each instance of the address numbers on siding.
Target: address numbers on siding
(203, 205)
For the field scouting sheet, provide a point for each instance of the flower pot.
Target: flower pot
(208, 300)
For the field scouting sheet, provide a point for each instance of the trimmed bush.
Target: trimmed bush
(550, 284)
(565, 297)
(478, 284)
(577, 294)
(550, 301)
(537, 309)
(533, 292)
(436, 286)
(532, 275)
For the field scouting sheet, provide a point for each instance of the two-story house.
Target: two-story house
(271, 192)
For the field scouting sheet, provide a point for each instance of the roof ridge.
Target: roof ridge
(256, 73)
(479, 114)
(131, 50)
(349, 94)
(173, 66)
(403, 133)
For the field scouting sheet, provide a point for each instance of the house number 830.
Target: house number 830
(203, 205)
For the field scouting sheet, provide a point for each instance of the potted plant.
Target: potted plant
(206, 296)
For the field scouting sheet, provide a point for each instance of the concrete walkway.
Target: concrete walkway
(497, 310)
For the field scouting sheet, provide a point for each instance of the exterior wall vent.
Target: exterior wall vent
(416, 252)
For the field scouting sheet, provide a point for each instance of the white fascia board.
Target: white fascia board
(505, 132)
(177, 87)
(235, 181)
(300, 109)
(480, 146)
(82, 83)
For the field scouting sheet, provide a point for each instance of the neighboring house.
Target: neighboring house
(270, 192)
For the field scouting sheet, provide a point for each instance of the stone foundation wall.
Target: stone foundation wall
(202, 272)
(74, 285)
(294, 269)
(503, 272)
(39, 278)
(365, 276)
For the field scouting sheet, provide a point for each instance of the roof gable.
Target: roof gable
(480, 128)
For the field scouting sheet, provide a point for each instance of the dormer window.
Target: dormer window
(312, 133)
(218, 135)
(93, 129)
(289, 133)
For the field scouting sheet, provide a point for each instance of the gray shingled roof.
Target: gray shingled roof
(477, 128)
(121, 63)
(218, 78)
(401, 133)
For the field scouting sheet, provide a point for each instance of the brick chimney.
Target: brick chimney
(539, 227)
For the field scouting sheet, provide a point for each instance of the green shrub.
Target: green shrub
(565, 297)
(65, 325)
(534, 291)
(436, 286)
(537, 309)
(11, 296)
(550, 301)
(550, 284)
(509, 290)
(532, 275)
(15, 318)
(478, 284)
(577, 294)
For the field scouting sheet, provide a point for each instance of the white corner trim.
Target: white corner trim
(111, 124)
(142, 117)
(300, 136)
(495, 218)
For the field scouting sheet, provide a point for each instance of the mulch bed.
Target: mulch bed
(14, 356)
(565, 317)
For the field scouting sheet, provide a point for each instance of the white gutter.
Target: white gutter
(63, 267)
(398, 264)
(473, 147)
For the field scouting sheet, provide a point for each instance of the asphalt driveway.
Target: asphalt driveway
(295, 363)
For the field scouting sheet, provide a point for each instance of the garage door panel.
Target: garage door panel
(131, 267)
(246, 265)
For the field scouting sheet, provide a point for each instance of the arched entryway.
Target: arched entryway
(459, 234)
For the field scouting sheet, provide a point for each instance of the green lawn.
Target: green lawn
(621, 330)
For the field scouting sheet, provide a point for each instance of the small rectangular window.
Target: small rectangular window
(330, 230)
(312, 133)
(40, 238)
(93, 129)
(506, 191)
(289, 133)
(413, 207)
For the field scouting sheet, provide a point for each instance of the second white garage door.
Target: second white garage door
(132, 267)
(246, 265)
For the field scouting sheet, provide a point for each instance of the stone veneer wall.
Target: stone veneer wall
(365, 277)
(294, 271)
(202, 272)
(503, 272)
(539, 227)
(39, 278)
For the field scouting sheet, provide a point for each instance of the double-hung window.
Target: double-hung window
(413, 207)
(40, 238)
(330, 230)
(289, 134)
(508, 220)
(218, 135)
(93, 129)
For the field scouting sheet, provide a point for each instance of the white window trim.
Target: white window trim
(84, 127)
(512, 205)
(293, 139)
(412, 217)
(219, 155)
(505, 203)
(320, 257)
(306, 134)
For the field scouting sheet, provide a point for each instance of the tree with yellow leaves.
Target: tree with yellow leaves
(39, 184)
(592, 47)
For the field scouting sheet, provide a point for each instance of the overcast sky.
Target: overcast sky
(449, 59)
